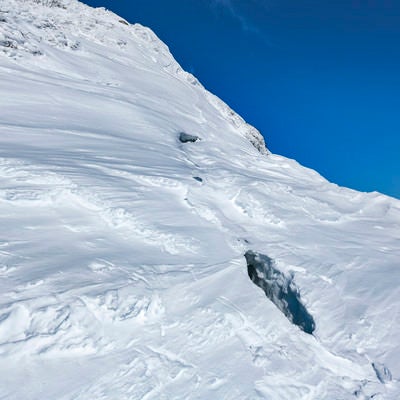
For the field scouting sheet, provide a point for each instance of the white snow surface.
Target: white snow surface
(123, 277)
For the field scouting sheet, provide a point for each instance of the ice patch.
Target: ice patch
(280, 289)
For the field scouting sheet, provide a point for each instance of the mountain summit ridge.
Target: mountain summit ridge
(62, 24)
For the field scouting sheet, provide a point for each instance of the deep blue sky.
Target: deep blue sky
(319, 79)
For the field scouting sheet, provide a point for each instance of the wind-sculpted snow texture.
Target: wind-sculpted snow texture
(122, 273)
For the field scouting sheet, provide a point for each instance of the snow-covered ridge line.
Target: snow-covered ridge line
(63, 23)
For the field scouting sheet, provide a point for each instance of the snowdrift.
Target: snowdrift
(122, 248)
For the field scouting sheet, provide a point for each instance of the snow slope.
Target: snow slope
(122, 268)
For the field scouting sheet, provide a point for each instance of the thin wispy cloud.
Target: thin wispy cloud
(245, 21)
(233, 10)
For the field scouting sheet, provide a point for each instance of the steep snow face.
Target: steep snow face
(32, 29)
(122, 268)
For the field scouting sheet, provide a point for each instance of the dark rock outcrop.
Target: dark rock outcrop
(185, 138)
(280, 289)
